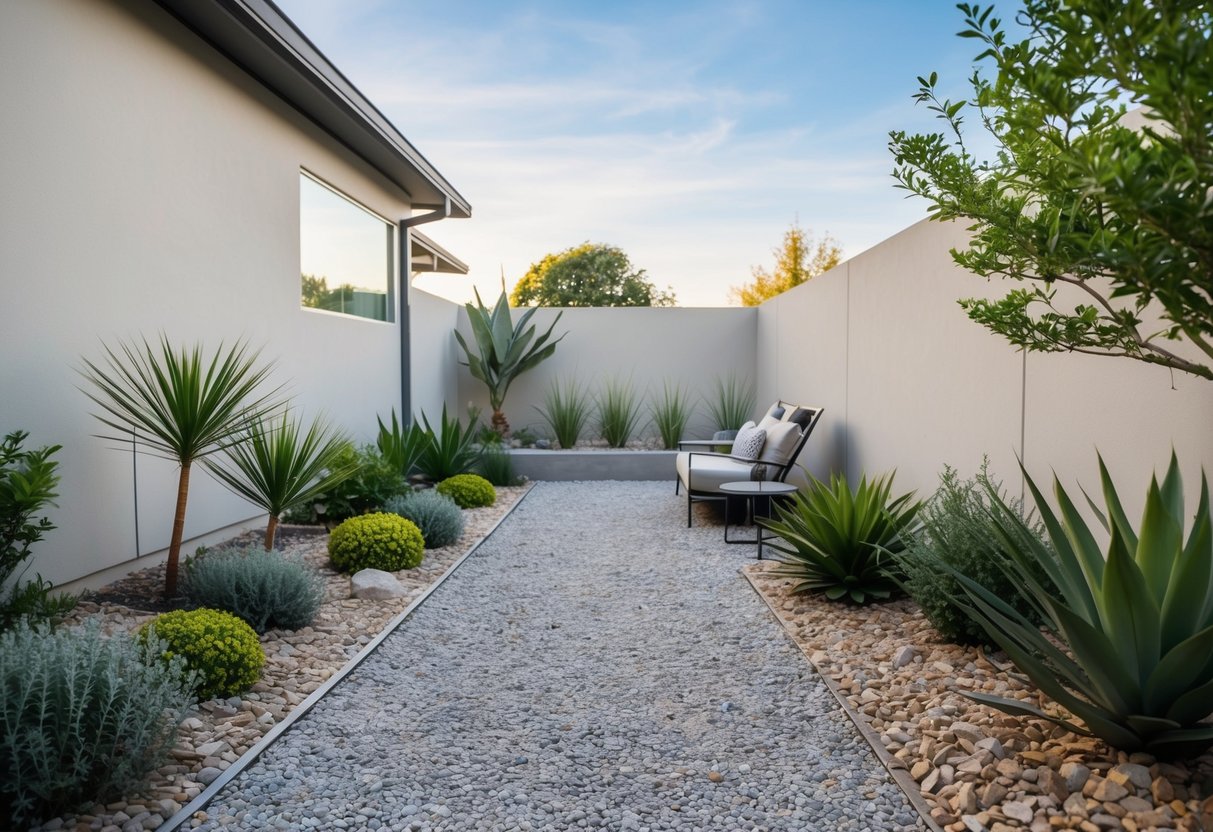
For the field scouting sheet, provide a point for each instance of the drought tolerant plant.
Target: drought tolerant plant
(468, 491)
(566, 409)
(376, 541)
(618, 412)
(452, 448)
(84, 719)
(504, 350)
(732, 403)
(958, 534)
(374, 481)
(179, 405)
(276, 467)
(671, 413)
(28, 479)
(222, 649)
(264, 588)
(497, 466)
(1128, 635)
(841, 543)
(438, 516)
(401, 445)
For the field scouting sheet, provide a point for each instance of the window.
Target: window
(347, 254)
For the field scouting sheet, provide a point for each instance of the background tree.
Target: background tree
(1074, 195)
(797, 259)
(591, 274)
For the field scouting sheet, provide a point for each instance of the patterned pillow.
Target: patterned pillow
(749, 441)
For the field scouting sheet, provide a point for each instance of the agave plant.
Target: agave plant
(450, 450)
(504, 350)
(842, 543)
(276, 467)
(401, 445)
(1135, 626)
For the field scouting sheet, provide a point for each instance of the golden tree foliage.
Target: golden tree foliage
(797, 259)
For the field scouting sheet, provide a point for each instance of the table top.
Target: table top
(759, 488)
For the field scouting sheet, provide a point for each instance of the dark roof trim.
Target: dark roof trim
(261, 40)
(427, 256)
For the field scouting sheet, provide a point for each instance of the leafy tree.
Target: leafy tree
(316, 294)
(797, 259)
(1074, 194)
(591, 274)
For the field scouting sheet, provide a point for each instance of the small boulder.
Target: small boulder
(376, 585)
(905, 655)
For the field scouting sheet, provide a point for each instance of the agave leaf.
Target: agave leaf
(1116, 511)
(1017, 708)
(1161, 533)
(1184, 609)
(1132, 614)
(1117, 689)
(1194, 705)
(1187, 742)
(1082, 542)
(502, 326)
(1178, 671)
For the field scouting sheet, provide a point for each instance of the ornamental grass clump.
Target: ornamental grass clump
(1127, 644)
(266, 589)
(566, 409)
(222, 649)
(732, 403)
(840, 543)
(437, 516)
(469, 491)
(376, 541)
(618, 412)
(671, 412)
(84, 718)
(497, 466)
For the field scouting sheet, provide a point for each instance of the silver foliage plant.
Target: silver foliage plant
(265, 588)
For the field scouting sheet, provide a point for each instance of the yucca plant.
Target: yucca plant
(401, 445)
(178, 405)
(566, 409)
(451, 449)
(618, 412)
(842, 543)
(504, 350)
(732, 402)
(671, 413)
(1127, 646)
(276, 466)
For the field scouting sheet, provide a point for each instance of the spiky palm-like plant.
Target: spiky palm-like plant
(277, 466)
(179, 405)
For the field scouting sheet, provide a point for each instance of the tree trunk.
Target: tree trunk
(499, 423)
(271, 528)
(174, 546)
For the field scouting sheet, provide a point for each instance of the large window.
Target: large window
(347, 254)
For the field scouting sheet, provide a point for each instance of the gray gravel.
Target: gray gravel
(594, 665)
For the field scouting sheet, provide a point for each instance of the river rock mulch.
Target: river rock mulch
(978, 768)
(218, 731)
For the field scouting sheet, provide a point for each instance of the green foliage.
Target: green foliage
(376, 541)
(591, 274)
(179, 405)
(468, 490)
(1134, 624)
(732, 403)
(276, 468)
(402, 446)
(373, 482)
(437, 516)
(797, 259)
(618, 412)
(1075, 195)
(84, 718)
(843, 544)
(566, 409)
(264, 588)
(28, 483)
(221, 648)
(451, 449)
(671, 413)
(497, 466)
(504, 350)
(524, 437)
(959, 536)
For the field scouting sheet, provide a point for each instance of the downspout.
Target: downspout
(406, 283)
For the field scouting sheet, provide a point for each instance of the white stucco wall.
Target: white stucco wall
(431, 324)
(150, 186)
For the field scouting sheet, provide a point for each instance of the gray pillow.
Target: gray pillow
(749, 441)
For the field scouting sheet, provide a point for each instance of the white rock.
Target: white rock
(211, 749)
(905, 655)
(376, 585)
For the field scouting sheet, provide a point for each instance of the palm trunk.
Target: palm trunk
(174, 546)
(499, 423)
(271, 529)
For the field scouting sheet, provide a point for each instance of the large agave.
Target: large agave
(1135, 627)
(842, 543)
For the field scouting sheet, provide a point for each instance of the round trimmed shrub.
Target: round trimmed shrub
(220, 647)
(468, 490)
(438, 517)
(376, 541)
(266, 589)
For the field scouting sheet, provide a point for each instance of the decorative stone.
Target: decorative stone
(1127, 773)
(1075, 776)
(1051, 783)
(965, 731)
(992, 745)
(993, 794)
(1015, 810)
(376, 585)
(905, 655)
(1109, 791)
(920, 770)
(966, 799)
(1161, 790)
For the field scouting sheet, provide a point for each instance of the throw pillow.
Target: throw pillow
(749, 441)
(781, 441)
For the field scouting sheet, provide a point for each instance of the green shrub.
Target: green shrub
(84, 718)
(671, 413)
(497, 466)
(566, 409)
(958, 535)
(732, 403)
(618, 412)
(376, 541)
(220, 647)
(468, 490)
(266, 589)
(401, 445)
(375, 480)
(451, 449)
(842, 543)
(438, 517)
(28, 480)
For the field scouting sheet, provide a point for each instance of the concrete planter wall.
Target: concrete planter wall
(565, 466)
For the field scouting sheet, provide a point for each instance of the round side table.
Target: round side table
(754, 492)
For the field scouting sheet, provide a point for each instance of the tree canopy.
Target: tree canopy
(591, 274)
(798, 258)
(1076, 194)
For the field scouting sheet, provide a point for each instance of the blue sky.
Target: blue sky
(689, 134)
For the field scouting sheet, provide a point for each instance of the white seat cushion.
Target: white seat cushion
(707, 472)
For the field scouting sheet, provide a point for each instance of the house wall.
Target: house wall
(151, 187)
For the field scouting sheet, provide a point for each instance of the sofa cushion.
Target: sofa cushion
(701, 472)
(781, 442)
(749, 441)
(769, 422)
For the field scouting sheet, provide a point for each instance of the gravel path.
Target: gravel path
(594, 665)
